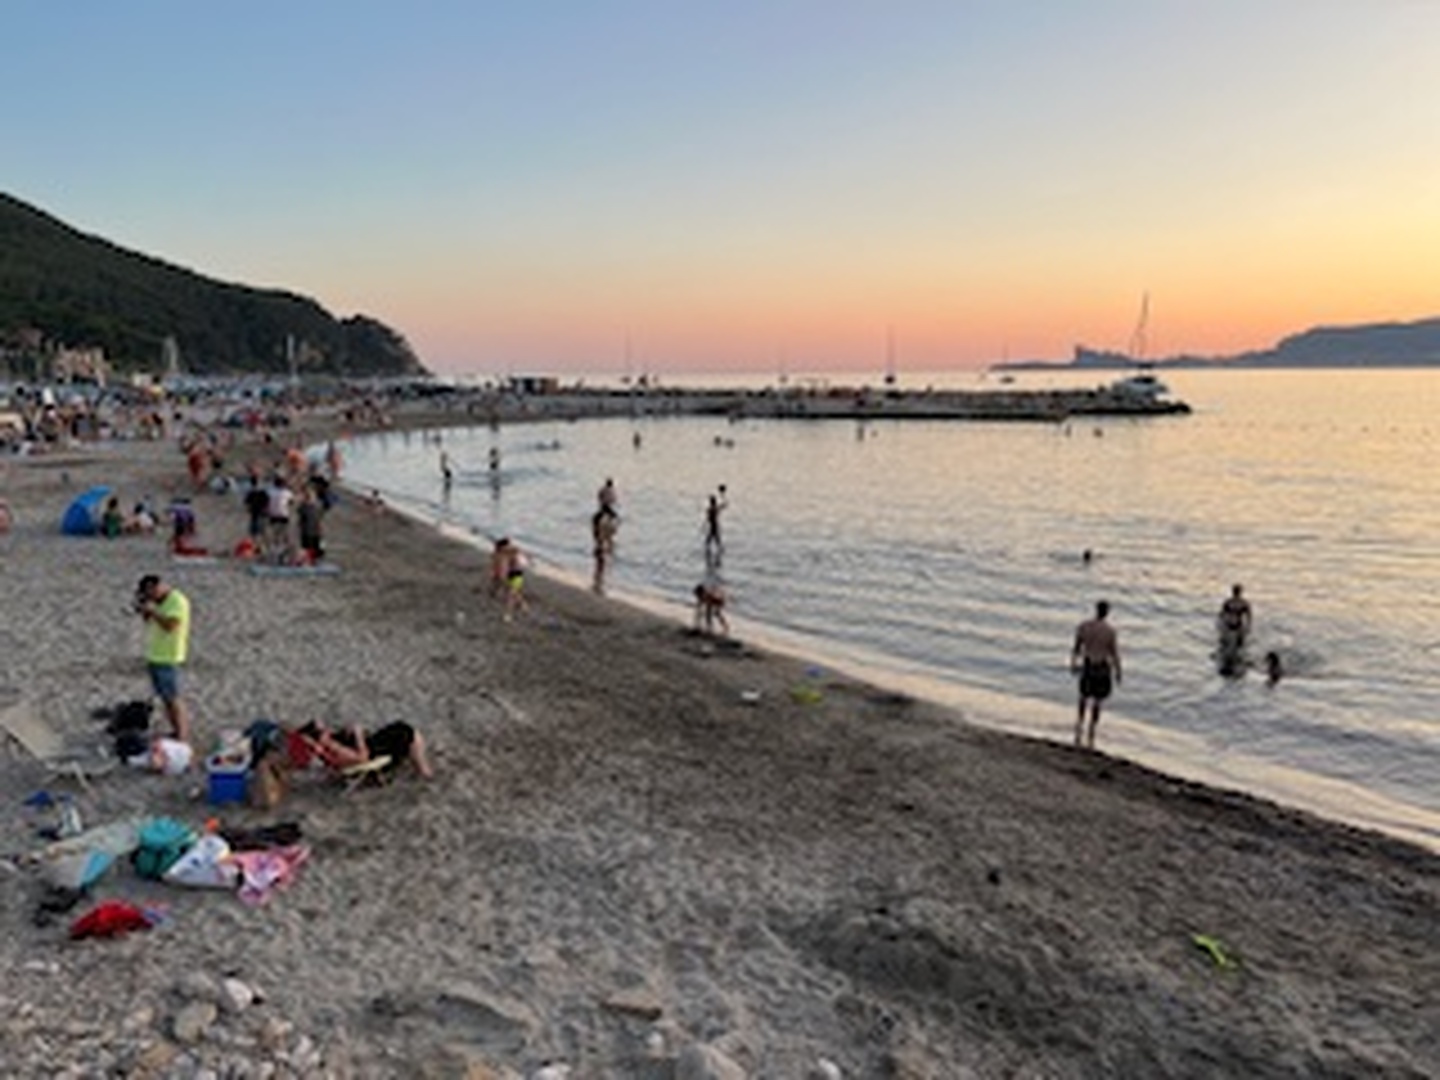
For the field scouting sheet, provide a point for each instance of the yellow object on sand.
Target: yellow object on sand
(1217, 950)
(372, 771)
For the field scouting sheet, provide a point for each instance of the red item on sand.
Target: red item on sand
(110, 919)
(297, 749)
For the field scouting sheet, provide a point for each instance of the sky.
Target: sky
(628, 186)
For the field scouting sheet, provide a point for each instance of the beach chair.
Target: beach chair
(22, 719)
(375, 771)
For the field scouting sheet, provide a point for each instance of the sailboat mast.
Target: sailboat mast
(1138, 342)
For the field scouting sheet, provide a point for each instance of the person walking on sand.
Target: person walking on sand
(507, 575)
(710, 608)
(1096, 658)
(603, 525)
(166, 613)
(447, 477)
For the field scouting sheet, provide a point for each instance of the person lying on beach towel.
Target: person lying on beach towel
(345, 749)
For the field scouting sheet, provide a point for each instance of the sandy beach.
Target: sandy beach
(626, 866)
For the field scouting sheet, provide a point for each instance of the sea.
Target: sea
(947, 559)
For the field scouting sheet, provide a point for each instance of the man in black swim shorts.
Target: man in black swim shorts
(1096, 658)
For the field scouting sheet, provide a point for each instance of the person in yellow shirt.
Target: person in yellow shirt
(166, 611)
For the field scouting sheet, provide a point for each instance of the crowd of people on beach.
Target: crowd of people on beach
(285, 495)
(286, 501)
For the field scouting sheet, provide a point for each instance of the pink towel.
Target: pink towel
(262, 872)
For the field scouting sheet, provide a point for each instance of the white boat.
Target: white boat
(1143, 385)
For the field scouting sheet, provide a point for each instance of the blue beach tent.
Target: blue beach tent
(82, 517)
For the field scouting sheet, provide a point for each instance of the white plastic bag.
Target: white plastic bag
(206, 865)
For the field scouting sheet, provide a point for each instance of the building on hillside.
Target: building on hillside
(80, 365)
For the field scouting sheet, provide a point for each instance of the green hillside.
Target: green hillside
(82, 291)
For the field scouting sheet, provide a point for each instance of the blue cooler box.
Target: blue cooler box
(227, 783)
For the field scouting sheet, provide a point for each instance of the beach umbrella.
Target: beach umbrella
(82, 517)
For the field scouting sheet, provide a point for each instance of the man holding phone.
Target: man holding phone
(166, 612)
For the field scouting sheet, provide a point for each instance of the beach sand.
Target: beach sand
(625, 867)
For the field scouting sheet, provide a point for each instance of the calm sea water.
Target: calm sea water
(945, 558)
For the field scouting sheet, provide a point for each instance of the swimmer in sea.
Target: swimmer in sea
(1274, 667)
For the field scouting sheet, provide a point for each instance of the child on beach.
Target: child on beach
(507, 576)
(710, 608)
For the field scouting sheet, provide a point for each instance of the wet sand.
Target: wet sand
(625, 866)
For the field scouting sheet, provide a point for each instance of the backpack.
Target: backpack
(162, 842)
(129, 724)
(130, 716)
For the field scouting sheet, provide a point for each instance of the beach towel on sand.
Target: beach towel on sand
(324, 569)
(262, 872)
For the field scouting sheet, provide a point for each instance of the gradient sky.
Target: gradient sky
(748, 185)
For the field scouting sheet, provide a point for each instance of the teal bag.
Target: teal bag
(162, 842)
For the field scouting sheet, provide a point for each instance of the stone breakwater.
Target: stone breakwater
(840, 403)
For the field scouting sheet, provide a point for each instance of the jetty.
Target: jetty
(547, 400)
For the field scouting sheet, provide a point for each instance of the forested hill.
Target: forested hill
(81, 291)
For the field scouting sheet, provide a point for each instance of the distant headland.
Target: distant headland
(76, 305)
(1374, 345)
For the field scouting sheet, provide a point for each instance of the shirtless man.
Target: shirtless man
(1096, 658)
(1234, 624)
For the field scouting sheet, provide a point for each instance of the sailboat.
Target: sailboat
(891, 375)
(1143, 384)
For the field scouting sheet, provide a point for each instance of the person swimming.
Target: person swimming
(1274, 667)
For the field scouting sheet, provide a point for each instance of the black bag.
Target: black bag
(129, 744)
(130, 716)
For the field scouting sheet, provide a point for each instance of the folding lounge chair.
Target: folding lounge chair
(374, 771)
(23, 721)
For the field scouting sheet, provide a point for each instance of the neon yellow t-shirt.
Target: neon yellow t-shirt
(169, 646)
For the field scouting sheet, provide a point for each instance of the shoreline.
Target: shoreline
(1163, 750)
(621, 862)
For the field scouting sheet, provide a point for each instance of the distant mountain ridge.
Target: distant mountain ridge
(1393, 344)
(82, 291)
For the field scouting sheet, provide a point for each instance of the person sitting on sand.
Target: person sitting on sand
(397, 740)
(142, 520)
(112, 520)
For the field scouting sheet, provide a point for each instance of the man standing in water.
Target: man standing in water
(713, 544)
(1234, 625)
(1096, 657)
